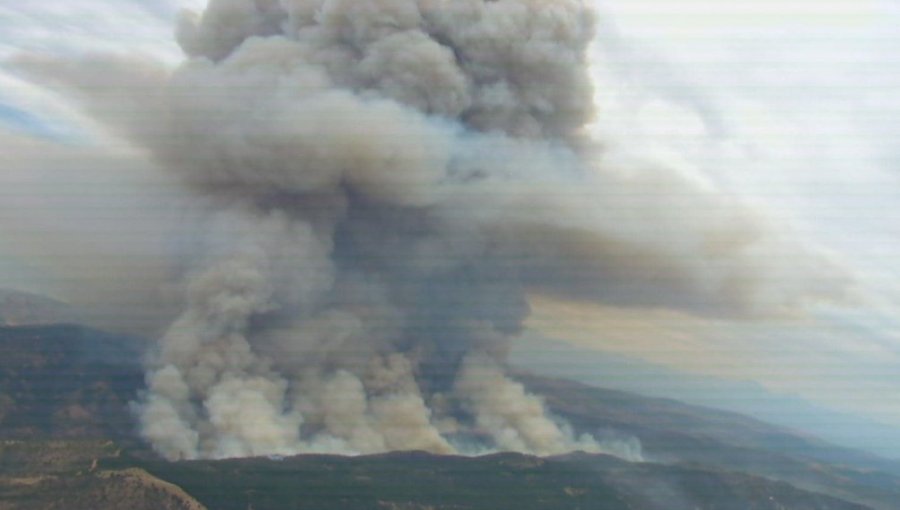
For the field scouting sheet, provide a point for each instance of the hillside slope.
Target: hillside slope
(67, 381)
(416, 480)
(22, 308)
(65, 475)
(72, 383)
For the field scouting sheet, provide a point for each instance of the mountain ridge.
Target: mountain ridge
(61, 379)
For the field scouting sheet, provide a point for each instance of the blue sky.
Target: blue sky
(791, 105)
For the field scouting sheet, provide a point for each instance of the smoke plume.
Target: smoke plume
(384, 183)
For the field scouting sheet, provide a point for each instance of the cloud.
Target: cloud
(82, 26)
(646, 211)
(89, 218)
(596, 245)
(791, 114)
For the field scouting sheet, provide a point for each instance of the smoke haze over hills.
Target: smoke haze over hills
(370, 191)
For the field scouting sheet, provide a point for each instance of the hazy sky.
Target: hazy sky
(793, 105)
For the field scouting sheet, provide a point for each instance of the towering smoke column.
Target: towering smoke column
(348, 300)
(384, 182)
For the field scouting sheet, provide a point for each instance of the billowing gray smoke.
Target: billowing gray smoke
(385, 182)
(350, 300)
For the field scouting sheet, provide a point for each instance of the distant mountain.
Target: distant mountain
(672, 432)
(611, 370)
(64, 394)
(19, 308)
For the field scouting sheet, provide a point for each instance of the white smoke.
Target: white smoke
(389, 179)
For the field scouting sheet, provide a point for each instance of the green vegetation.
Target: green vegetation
(66, 475)
(67, 382)
(415, 480)
(67, 442)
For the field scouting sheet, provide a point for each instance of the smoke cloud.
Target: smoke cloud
(383, 184)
